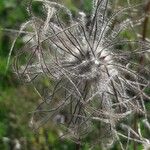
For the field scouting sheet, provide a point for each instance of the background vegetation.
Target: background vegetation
(17, 99)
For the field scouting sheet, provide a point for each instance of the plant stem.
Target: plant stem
(78, 145)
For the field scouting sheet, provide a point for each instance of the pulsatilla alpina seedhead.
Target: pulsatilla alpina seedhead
(93, 82)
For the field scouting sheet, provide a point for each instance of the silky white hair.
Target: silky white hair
(92, 77)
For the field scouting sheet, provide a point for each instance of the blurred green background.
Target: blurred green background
(17, 99)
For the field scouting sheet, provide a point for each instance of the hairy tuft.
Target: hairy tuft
(94, 83)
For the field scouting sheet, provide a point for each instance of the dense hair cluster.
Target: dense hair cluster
(93, 81)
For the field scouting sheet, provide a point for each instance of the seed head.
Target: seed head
(93, 80)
